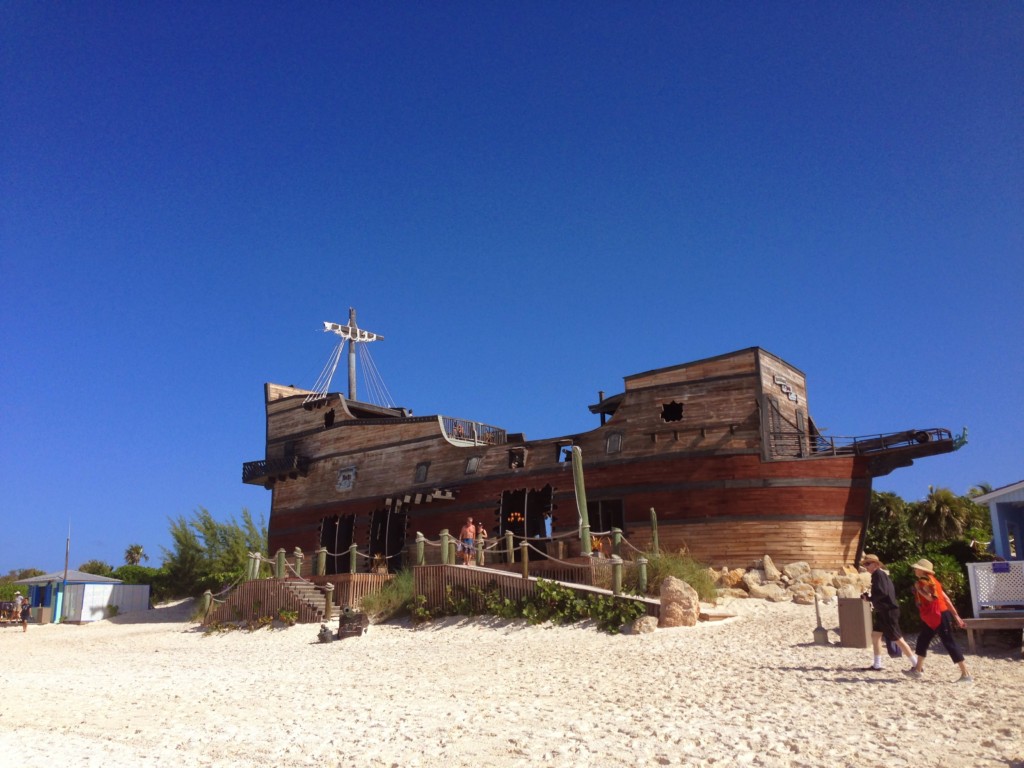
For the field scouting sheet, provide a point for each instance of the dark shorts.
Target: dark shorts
(467, 545)
(887, 622)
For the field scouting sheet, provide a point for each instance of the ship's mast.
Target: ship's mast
(353, 335)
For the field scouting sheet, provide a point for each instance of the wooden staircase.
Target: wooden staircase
(310, 595)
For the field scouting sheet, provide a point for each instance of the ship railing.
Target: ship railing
(473, 432)
(860, 446)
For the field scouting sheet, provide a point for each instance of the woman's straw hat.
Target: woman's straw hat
(923, 565)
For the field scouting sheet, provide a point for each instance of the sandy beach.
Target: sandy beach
(151, 689)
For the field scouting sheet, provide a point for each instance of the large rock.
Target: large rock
(802, 594)
(680, 604)
(753, 578)
(776, 593)
(841, 580)
(642, 626)
(731, 578)
(815, 577)
(796, 570)
(849, 590)
(771, 573)
(716, 575)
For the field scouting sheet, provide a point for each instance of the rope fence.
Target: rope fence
(600, 562)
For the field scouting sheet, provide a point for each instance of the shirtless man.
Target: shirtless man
(467, 538)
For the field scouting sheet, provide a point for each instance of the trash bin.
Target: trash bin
(854, 622)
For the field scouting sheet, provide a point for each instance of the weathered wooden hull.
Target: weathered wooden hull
(723, 509)
(732, 471)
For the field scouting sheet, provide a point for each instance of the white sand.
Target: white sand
(752, 690)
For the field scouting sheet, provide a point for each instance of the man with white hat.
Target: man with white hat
(885, 613)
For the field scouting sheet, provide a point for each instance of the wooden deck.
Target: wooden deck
(433, 581)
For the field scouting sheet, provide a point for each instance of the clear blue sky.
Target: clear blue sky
(528, 200)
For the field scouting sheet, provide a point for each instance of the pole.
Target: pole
(654, 532)
(581, 499)
(352, 356)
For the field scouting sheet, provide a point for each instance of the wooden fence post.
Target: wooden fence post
(510, 547)
(321, 561)
(641, 578)
(654, 532)
(420, 554)
(329, 602)
(352, 551)
(524, 556)
(480, 541)
(207, 603)
(298, 561)
(280, 567)
(444, 546)
(616, 575)
(617, 541)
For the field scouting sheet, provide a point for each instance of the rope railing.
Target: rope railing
(513, 546)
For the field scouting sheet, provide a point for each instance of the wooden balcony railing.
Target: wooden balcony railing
(268, 470)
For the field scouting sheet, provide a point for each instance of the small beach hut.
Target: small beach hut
(1006, 508)
(78, 597)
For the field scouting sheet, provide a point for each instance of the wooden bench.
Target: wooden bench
(1000, 622)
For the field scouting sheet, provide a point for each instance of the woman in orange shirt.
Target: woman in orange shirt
(937, 614)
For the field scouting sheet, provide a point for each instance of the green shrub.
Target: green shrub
(682, 567)
(394, 599)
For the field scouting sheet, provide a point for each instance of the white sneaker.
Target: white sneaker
(966, 679)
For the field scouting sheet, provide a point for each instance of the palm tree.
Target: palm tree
(941, 516)
(979, 489)
(135, 555)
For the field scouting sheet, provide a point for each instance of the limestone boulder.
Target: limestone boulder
(731, 578)
(642, 626)
(771, 573)
(680, 604)
(844, 580)
(773, 592)
(849, 591)
(796, 570)
(802, 594)
(826, 592)
(753, 578)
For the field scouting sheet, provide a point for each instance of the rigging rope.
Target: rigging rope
(323, 383)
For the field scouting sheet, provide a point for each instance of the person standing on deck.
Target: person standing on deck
(885, 612)
(481, 534)
(467, 541)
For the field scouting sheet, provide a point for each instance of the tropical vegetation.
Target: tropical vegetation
(947, 529)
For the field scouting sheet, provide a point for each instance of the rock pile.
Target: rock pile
(796, 582)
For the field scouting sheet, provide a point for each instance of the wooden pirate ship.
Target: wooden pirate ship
(724, 449)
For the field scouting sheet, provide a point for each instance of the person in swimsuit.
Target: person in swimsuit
(467, 538)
